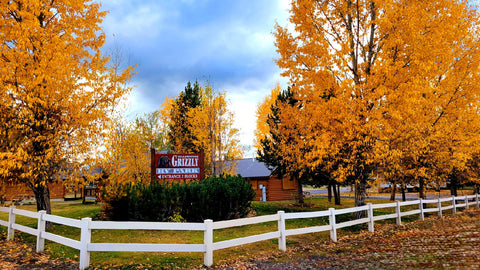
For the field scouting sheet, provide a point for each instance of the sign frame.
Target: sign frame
(176, 166)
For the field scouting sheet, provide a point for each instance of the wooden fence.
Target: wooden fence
(86, 225)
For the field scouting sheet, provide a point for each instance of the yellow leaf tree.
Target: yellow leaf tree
(430, 116)
(199, 120)
(57, 90)
(381, 80)
(212, 125)
(126, 158)
(264, 109)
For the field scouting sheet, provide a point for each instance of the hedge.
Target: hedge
(216, 198)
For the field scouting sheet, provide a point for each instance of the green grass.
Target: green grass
(122, 260)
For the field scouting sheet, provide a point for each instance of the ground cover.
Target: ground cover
(77, 210)
(186, 260)
(450, 242)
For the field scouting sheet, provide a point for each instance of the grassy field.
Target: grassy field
(127, 260)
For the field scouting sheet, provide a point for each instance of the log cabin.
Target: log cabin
(267, 185)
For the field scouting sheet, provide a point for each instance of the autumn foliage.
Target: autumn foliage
(57, 90)
(199, 119)
(386, 89)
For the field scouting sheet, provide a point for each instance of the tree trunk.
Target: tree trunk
(300, 191)
(336, 190)
(404, 196)
(329, 188)
(421, 189)
(453, 184)
(42, 196)
(392, 192)
(360, 196)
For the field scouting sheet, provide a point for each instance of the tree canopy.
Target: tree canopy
(383, 84)
(57, 90)
(201, 121)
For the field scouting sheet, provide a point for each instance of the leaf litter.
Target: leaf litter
(450, 242)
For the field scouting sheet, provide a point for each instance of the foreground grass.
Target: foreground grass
(450, 242)
(130, 260)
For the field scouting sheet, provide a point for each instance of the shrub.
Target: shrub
(216, 198)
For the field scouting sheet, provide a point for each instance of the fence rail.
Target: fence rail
(86, 225)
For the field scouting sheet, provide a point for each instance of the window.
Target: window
(288, 182)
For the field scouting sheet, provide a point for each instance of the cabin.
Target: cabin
(267, 185)
(20, 192)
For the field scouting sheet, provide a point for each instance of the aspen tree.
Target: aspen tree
(57, 90)
(383, 82)
(212, 124)
(207, 127)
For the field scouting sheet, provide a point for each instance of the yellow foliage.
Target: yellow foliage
(57, 88)
(385, 86)
(127, 154)
(262, 113)
(210, 129)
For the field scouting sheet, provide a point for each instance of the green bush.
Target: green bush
(217, 198)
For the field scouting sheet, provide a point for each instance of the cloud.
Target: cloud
(173, 42)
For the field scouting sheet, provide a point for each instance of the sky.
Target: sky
(227, 43)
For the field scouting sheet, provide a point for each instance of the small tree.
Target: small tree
(180, 135)
(281, 150)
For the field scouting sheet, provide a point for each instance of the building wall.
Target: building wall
(276, 192)
(13, 191)
(274, 189)
(256, 182)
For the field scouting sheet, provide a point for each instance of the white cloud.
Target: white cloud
(137, 22)
(228, 42)
(244, 100)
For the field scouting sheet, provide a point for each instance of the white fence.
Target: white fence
(86, 225)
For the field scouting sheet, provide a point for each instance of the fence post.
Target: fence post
(439, 206)
(208, 241)
(399, 213)
(476, 200)
(420, 207)
(40, 230)
(454, 205)
(333, 231)
(11, 221)
(282, 239)
(85, 239)
(466, 202)
(370, 216)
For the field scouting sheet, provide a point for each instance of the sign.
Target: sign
(179, 166)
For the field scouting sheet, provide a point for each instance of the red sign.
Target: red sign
(178, 166)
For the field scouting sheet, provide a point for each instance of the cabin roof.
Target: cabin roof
(251, 167)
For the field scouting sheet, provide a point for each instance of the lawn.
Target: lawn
(447, 243)
(127, 260)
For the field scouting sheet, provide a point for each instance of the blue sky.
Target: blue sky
(228, 43)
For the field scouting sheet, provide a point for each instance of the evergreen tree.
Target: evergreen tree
(271, 152)
(180, 136)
